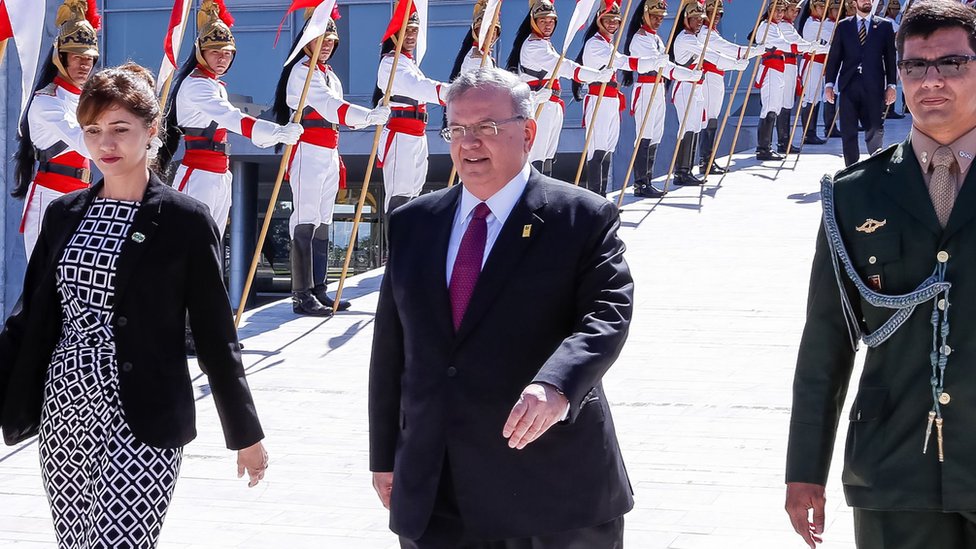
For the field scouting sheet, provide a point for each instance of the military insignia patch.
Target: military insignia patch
(875, 282)
(871, 225)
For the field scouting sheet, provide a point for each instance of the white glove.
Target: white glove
(741, 64)
(378, 116)
(265, 133)
(755, 52)
(823, 48)
(696, 75)
(289, 133)
(541, 96)
(648, 64)
(604, 75)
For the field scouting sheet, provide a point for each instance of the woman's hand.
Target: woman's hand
(254, 460)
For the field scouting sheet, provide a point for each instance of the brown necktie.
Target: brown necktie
(942, 186)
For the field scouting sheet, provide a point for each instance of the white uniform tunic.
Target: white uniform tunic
(770, 79)
(606, 126)
(473, 61)
(798, 47)
(687, 49)
(645, 43)
(205, 174)
(403, 143)
(812, 72)
(537, 61)
(721, 56)
(314, 169)
(52, 119)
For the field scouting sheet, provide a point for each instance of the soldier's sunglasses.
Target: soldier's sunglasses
(488, 128)
(948, 66)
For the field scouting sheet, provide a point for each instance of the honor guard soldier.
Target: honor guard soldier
(816, 29)
(830, 109)
(49, 132)
(798, 48)
(471, 54)
(315, 168)
(686, 49)
(597, 47)
(534, 59)
(644, 41)
(714, 86)
(403, 143)
(771, 80)
(199, 107)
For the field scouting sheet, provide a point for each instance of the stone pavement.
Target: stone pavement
(701, 395)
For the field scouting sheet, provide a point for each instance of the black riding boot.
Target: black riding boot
(594, 171)
(783, 120)
(686, 157)
(811, 137)
(302, 300)
(829, 115)
(765, 139)
(605, 174)
(320, 269)
(708, 145)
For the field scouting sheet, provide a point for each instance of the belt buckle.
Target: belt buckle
(84, 174)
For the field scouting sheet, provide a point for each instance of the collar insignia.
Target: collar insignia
(871, 225)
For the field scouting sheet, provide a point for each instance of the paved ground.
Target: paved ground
(701, 395)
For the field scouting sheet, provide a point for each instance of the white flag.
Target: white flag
(486, 22)
(172, 41)
(25, 23)
(315, 27)
(581, 15)
(421, 49)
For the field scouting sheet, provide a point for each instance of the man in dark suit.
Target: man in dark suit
(899, 233)
(489, 426)
(861, 69)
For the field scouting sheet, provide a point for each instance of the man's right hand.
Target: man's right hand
(801, 498)
(829, 94)
(383, 484)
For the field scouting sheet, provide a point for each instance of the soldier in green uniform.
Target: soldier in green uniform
(895, 267)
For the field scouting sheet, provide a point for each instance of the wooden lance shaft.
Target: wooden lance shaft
(803, 87)
(823, 75)
(691, 97)
(3, 49)
(738, 82)
(755, 70)
(282, 168)
(647, 113)
(371, 161)
(486, 54)
(603, 89)
(176, 43)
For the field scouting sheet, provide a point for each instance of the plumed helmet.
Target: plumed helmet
(78, 22)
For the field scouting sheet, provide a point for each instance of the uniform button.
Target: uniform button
(872, 260)
(126, 366)
(946, 350)
(944, 398)
(942, 256)
(122, 321)
(942, 304)
(451, 371)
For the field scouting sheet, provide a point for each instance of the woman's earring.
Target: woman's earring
(148, 146)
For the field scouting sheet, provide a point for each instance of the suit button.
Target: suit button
(872, 260)
(122, 321)
(451, 371)
(944, 398)
(126, 366)
(942, 256)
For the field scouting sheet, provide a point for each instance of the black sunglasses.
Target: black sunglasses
(948, 66)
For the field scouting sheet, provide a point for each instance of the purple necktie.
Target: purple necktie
(467, 264)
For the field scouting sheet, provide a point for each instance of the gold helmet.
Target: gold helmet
(710, 5)
(655, 7)
(331, 32)
(213, 29)
(689, 9)
(78, 22)
(539, 9)
(609, 10)
(478, 18)
(818, 3)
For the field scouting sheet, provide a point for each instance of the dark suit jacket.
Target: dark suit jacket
(175, 270)
(551, 307)
(876, 57)
(884, 467)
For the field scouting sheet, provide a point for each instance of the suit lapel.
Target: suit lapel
(438, 296)
(506, 253)
(140, 236)
(907, 188)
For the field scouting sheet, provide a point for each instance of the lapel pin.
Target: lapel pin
(871, 225)
(527, 231)
(138, 237)
(925, 156)
(965, 154)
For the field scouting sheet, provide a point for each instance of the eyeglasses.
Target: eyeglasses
(948, 66)
(488, 128)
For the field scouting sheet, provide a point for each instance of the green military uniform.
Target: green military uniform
(887, 228)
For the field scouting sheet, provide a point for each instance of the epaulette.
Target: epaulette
(197, 73)
(870, 164)
(51, 89)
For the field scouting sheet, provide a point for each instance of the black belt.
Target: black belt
(201, 145)
(319, 123)
(410, 114)
(792, 55)
(81, 174)
(767, 57)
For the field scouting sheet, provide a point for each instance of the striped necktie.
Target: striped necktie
(862, 32)
(942, 186)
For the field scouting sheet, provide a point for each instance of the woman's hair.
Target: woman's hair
(129, 86)
(25, 157)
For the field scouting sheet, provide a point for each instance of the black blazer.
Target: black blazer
(876, 57)
(552, 304)
(174, 270)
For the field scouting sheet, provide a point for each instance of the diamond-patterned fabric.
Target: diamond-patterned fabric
(942, 186)
(106, 489)
(467, 264)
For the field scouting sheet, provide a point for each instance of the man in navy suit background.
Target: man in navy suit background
(861, 70)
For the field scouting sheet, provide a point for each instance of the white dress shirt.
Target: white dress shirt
(501, 204)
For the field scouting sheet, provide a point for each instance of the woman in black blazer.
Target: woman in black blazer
(92, 358)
